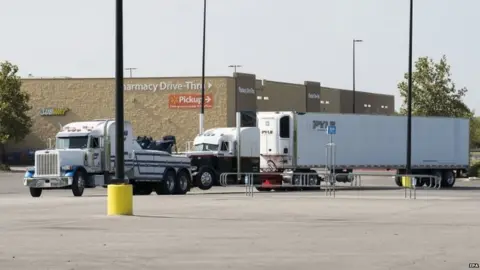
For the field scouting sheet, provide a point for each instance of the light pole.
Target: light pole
(409, 101)
(131, 71)
(353, 102)
(202, 109)
(119, 120)
(235, 67)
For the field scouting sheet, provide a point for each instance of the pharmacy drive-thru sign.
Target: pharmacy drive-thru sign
(166, 86)
(189, 101)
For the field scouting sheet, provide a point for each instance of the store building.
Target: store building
(170, 106)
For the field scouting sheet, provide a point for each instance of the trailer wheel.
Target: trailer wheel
(420, 182)
(36, 192)
(167, 186)
(78, 183)
(431, 182)
(205, 178)
(182, 182)
(448, 179)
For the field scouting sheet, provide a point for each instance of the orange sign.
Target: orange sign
(189, 101)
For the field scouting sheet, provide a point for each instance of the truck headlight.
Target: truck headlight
(67, 168)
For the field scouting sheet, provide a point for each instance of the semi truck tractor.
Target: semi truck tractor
(215, 152)
(84, 157)
(296, 142)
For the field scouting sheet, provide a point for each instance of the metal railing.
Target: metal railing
(298, 180)
(314, 181)
(435, 181)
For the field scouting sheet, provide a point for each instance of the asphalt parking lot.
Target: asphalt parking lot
(372, 228)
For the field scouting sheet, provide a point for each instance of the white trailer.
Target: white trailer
(84, 157)
(297, 142)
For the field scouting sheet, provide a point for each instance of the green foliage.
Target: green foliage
(475, 133)
(15, 123)
(435, 94)
(474, 169)
(5, 168)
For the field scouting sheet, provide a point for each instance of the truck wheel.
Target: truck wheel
(398, 181)
(448, 179)
(142, 189)
(313, 180)
(205, 178)
(136, 189)
(78, 183)
(181, 183)
(36, 192)
(167, 186)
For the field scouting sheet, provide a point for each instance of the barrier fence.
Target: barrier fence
(313, 181)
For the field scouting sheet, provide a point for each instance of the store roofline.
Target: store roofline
(187, 77)
(125, 78)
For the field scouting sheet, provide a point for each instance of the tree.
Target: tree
(435, 94)
(15, 123)
(475, 133)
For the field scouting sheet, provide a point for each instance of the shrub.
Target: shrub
(474, 169)
(5, 167)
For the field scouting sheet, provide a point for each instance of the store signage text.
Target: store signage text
(313, 95)
(165, 86)
(250, 91)
(189, 101)
(53, 111)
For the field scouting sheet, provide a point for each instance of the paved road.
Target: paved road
(359, 229)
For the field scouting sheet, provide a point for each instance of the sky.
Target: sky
(279, 40)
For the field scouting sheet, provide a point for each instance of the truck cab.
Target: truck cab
(215, 152)
(79, 152)
(84, 157)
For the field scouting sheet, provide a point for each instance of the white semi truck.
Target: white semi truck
(215, 152)
(296, 142)
(84, 157)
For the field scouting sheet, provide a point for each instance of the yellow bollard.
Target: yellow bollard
(406, 181)
(120, 200)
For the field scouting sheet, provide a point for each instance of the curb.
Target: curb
(472, 179)
(14, 171)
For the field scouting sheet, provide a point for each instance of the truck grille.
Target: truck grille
(46, 164)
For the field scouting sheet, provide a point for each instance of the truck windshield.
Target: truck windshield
(205, 147)
(71, 142)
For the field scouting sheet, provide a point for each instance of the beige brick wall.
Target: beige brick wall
(148, 111)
